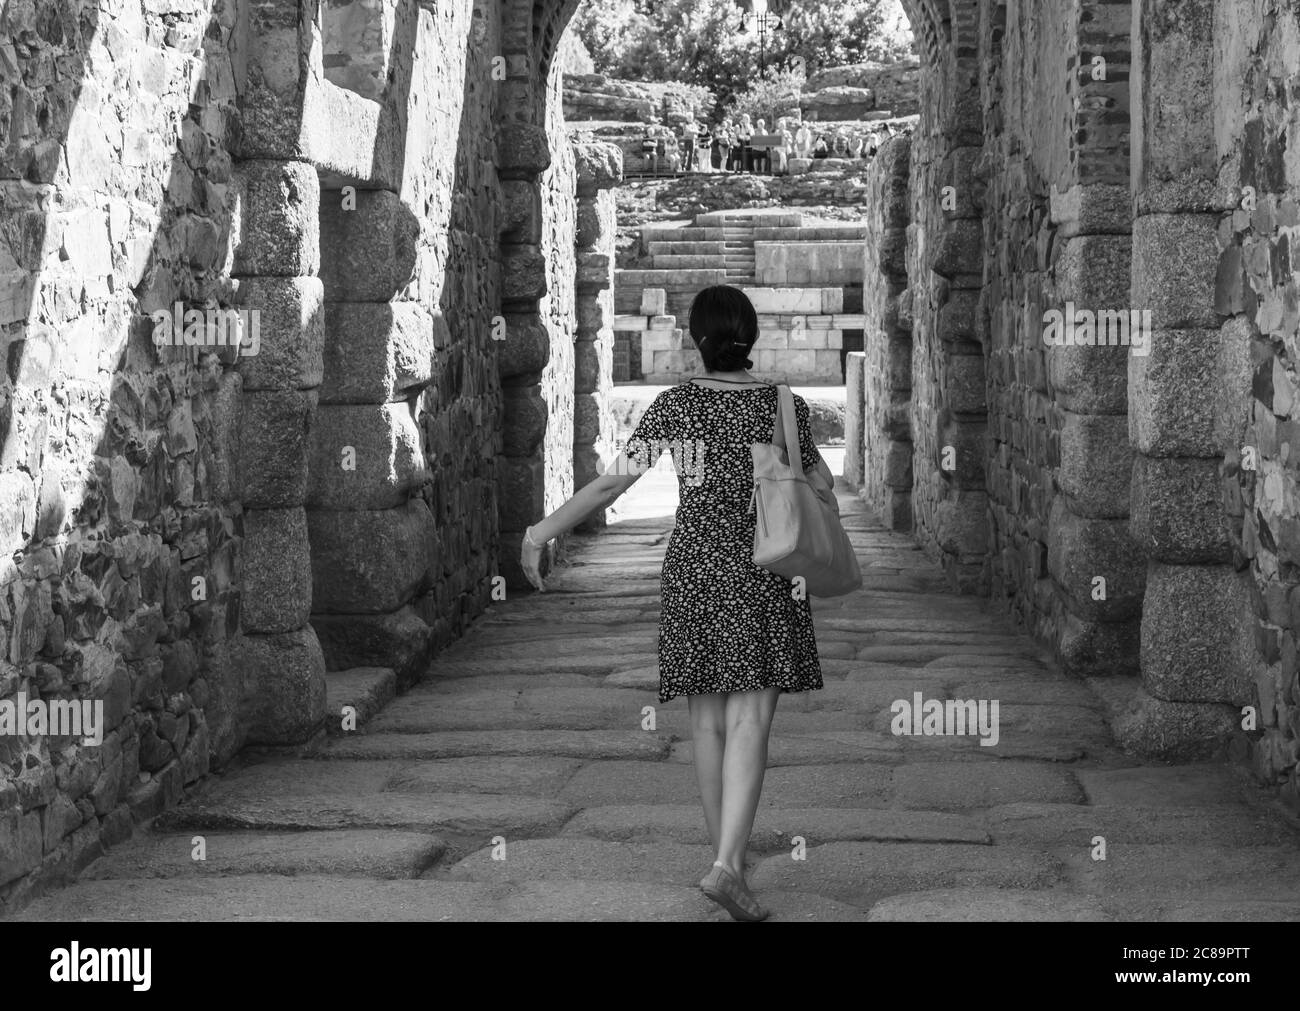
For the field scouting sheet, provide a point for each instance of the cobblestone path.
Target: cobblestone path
(527, 740)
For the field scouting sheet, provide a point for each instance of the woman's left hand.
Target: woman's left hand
(530, 558)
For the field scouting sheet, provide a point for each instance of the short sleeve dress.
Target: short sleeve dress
(725, 625)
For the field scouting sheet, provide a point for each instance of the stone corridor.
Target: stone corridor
(526, 740)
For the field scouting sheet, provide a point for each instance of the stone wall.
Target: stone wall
(198, 536)
(599, 167)
(945, 271)
(122, 530)
(885, 413)
(1256, 358)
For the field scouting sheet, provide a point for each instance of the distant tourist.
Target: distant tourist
(855, 147)
(704, 149)
(840, 147)
(820, 150)
(650, 153)
(689, 133)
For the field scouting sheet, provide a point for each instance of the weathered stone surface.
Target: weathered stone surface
(864, 873)
(399, 639)
(355, 853)
(989, 905)
(369, 252)
(277, 571)
(364, 457)
(279, 219)
(272, 452)
(387, 554)
(290, 334)
(286, 673)
(377, 352)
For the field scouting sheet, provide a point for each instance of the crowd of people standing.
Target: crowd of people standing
(742, 144)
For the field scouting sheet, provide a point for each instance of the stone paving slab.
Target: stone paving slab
(490, 813)
(989, 905)
(774, 828)
(842, 785)
(816, 748)
(1188, 871)
(460, 744)
(522, 775)
(940, 786)
(1065, 825)
(350, 853)
(590, 708)
(1168, 786)
(565, 858)
(862, 873)
(600, 783)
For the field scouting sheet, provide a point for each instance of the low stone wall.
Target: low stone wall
(893, 86)
(827, 263)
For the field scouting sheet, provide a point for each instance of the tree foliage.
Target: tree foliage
(702, 41)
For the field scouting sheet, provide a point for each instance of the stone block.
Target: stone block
(279, 218)
(833, 300)
(1175, 732)
(1096, 564)
(1172, 401)
(1099, 649)
(1198, 641)
(1094, 209)
(598, 166)
(1093, 271)
(1090, 380)
(525, 420)
(376, 352)
(1175, 262)
(368, 254)
(274, 430)
(371, 561)
(1232, 384)
(1096, 469)
(654, 302)
(364, 456)
(276, 574)
(286, 673)
(400, 641)
(1176, 508)
(527, 346)
(290, 333)
(959, 249)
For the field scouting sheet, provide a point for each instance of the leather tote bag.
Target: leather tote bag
(797, 530)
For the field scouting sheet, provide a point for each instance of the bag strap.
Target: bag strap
(786, 427)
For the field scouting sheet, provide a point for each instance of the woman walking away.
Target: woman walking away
(732, 636)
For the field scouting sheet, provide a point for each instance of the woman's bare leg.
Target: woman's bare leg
(708, 737)
(748, 718)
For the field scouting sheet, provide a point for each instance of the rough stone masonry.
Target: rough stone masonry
(201, 539)
(1136, 511)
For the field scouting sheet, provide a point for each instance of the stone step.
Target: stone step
(674, 261)
(364, 690)
(687, 247)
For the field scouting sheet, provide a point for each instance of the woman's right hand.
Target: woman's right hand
(530, 560)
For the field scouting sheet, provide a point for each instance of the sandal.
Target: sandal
(722, 887)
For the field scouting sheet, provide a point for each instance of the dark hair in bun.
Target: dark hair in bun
(725, 326)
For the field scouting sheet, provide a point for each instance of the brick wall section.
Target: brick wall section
(1255, 358)
(122, 542)
(886, 465)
